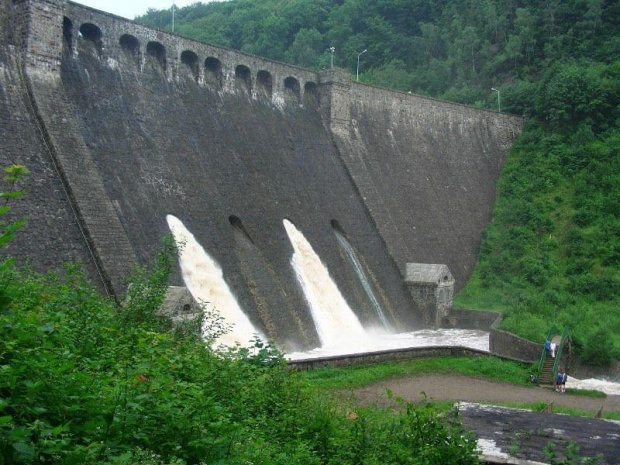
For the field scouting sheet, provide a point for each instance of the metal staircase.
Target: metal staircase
(548, 366)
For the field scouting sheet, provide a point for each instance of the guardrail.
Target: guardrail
(558, 355)
(543, 355)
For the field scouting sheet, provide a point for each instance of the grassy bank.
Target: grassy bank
(358, 376)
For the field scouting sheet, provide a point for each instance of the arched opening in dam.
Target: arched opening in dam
(213, 73)
(264, 85)
(92, 35)
(130, 46)
(190, 60)
(292, 89)
(311, 94)
(243, 79)
(156, 53)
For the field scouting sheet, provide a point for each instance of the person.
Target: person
(553, 346)
(558, 381)
(563, 383)
(547, 345)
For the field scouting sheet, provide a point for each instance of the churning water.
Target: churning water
(204, 280)
(336, 324)
(361, 275)
(339, 329)
(375, 342)
(608, 387)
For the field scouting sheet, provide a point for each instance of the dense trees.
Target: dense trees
(469, 45)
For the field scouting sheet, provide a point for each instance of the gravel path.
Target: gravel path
(462, 388)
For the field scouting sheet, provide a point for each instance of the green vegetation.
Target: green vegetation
(358, 376)
(82, 381)
(552, 254)
(587, 393)
(85, 381)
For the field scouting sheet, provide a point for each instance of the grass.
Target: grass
(586, 393)
(358, 376)
(476, 297)
(333, 378)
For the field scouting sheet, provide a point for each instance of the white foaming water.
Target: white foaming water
(473, 339)
(608, 387)
(361, 274)
(336, 324)
(204, 280)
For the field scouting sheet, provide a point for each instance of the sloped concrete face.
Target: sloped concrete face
(177, 147)
(141, 124)
(427, 170)
(52, 235)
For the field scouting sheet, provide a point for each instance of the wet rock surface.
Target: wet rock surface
(516, 433)
(543, 436)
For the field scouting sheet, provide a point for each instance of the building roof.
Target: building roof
(428, 273)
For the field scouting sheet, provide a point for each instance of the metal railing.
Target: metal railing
(558, 354)
(553, 331)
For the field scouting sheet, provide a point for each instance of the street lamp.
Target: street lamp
(172, 15)
(357, 74)
(499, 105)
(332, 50)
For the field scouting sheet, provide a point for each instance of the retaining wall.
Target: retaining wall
(470, 319)
(509, 345)
(385, 356)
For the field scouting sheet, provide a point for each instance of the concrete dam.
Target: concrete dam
(123, 126)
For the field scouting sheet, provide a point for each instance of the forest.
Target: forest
(551, 255)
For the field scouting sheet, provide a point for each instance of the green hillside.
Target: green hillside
(552, 252)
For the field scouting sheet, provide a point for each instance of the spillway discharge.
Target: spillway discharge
(335, 322)
(205, 281)
(354, 260)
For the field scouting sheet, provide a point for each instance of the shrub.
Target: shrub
(598, 348)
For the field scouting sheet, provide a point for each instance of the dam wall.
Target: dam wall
(426, 169)
(131, 124)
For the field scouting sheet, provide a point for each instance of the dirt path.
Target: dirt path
(462, 388)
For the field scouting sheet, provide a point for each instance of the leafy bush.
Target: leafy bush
(82, 381)
(598, 347)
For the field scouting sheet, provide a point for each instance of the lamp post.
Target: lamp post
(172, 15)
(499, 104)
(332, 50)
(357, 74)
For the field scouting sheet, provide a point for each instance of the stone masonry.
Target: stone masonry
(130, 124)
